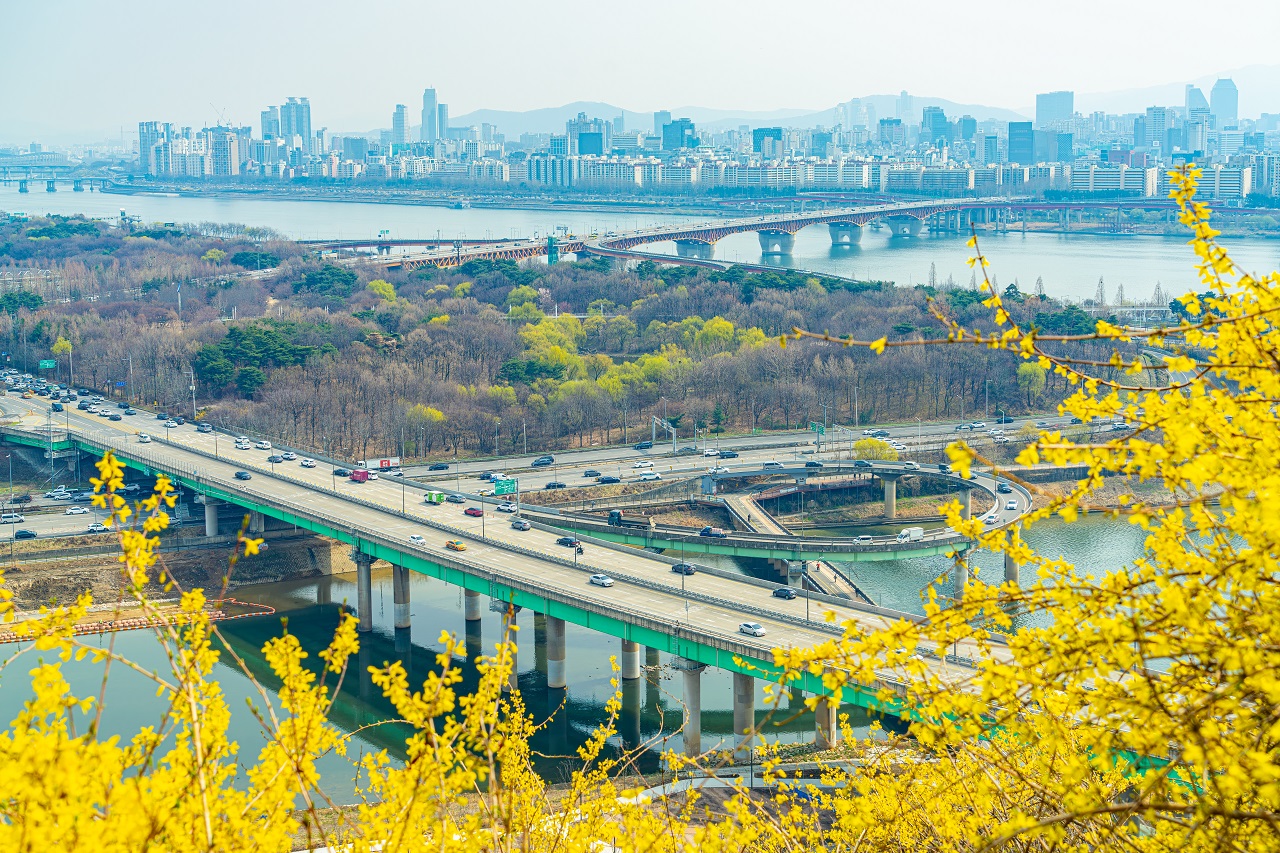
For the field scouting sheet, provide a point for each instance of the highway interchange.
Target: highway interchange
(656, 592)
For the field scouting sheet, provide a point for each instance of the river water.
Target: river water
(1069, 264)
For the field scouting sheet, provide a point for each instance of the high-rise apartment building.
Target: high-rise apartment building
(575, 128)
(430, 127)
(151, 134)
(892, 132)
(295, 120)
(1022, 143)
(224, 152)
(400, 125)
(1224, 103)
(906, 107)
(1054, 108)
(442, 121)
(661, 119)
(270, 118)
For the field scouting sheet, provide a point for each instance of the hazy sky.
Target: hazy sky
(75, 69)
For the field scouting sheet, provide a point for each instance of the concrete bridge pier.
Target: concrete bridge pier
(540, 644)
(744, 714)
(364, 591)
(966, 504)
(629, 719)
(904, 226)
(211, 506)
(692, 704)
(652, 677)
(555, 653)
(471, 605)
(958, 582)
(257, 523)
(827, 716)
(845, 233)
(400, 592)
(630, 660)
(776, 242)
(695, 249)
(473, 640)
(890, 495)
(1012, 571)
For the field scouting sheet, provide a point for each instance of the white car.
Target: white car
(602, 580)
(77, 510)
(143, 438)
(417, 539)
(751, 629)
(977, 425)
(711, 451)
(870, 431)
(485, 493)
(373, 475)
(911, 466)
(643, 463)
(289, 455)
(650, 475)
(506, 507)
(243, 445)
(308, 463)
(263, 445)
(991, 519)
(170, 424)
(1011, 505)
(718, 469)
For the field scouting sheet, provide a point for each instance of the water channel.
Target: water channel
(1069, 264)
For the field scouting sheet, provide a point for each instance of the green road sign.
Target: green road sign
(504, 487)
(47, 364)
(817, 427)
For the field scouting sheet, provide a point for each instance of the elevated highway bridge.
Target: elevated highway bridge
(695, 618)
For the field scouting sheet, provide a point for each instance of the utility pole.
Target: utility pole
(192, 373)
(986, 406)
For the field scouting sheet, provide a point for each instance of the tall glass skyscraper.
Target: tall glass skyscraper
(430, 127)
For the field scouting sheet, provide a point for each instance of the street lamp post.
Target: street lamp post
(919, 431)
(497, 429)
(986, 403)
(524, 437)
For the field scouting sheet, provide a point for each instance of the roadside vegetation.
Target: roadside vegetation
(355, 360)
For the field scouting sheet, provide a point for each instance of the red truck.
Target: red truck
(360, 475)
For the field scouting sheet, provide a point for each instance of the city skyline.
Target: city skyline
(66, 97)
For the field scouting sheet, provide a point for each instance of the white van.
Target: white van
(772, 463)
(12, 518)
(911, 534)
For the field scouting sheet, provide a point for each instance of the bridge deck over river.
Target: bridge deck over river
(695, 618)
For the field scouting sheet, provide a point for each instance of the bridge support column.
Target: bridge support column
(828, 723)
(400, 591)
(845, 233)
(958, 582)
(364, 591)
(1012, 571)
(257, 523)
(692, 728)
(652, 663)
(966, 504)
(695, 249)
(904, 226)
(744, 714)
(211, 515)
(890, 496)
(555, 653)
(776, 242)
(471, 605)
(630, 660)
(630, 717)
(473, 639)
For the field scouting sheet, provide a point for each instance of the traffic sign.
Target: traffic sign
(817, 427)
(47, 364)
(504, 487)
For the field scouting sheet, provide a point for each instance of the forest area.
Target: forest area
(353, 359)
